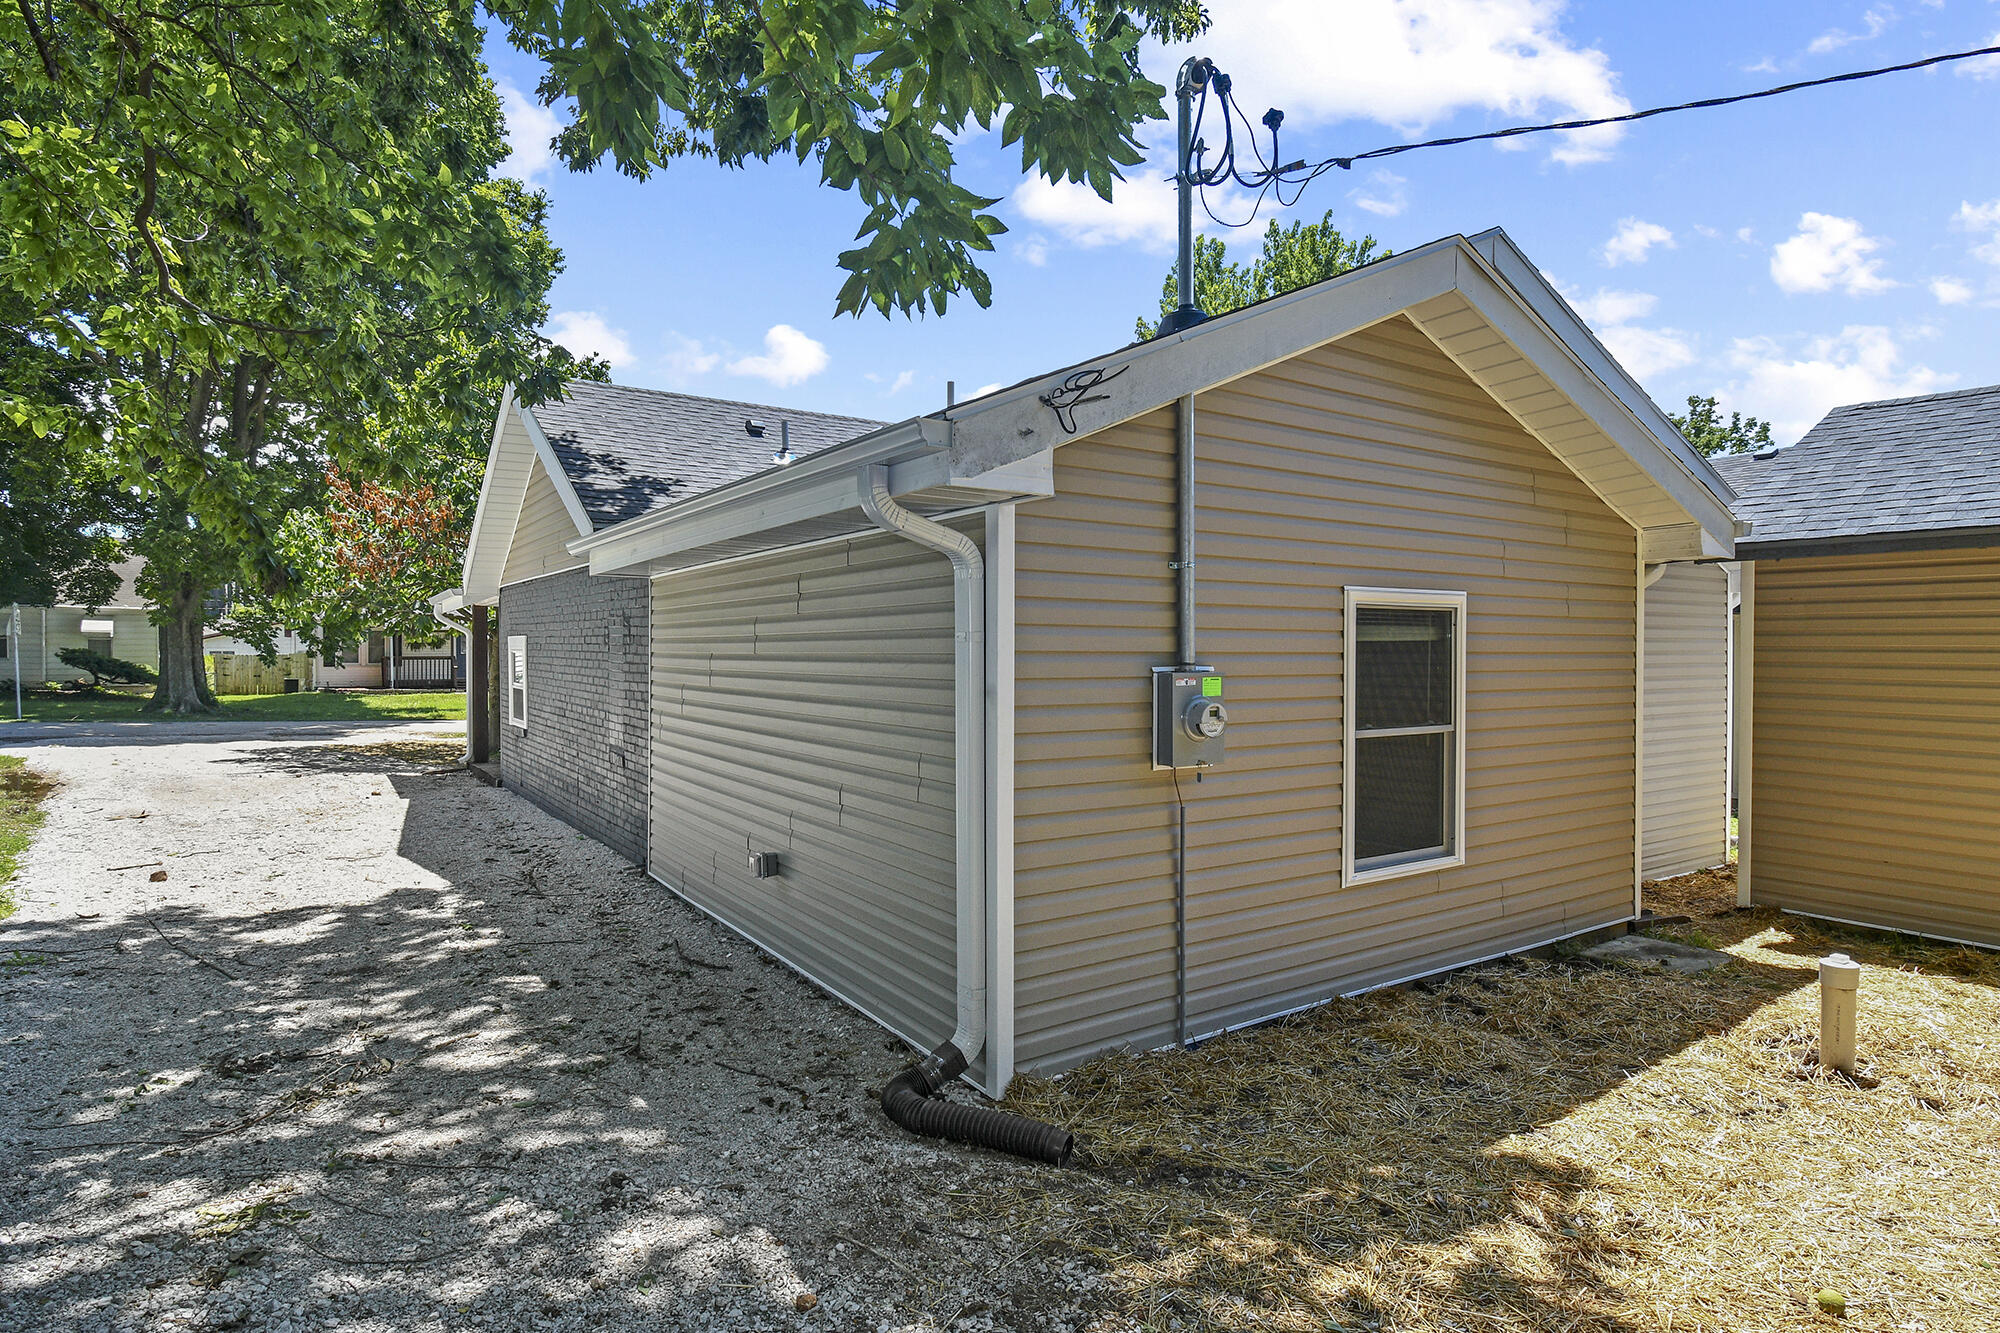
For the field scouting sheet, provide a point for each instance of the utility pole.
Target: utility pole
(1193, 78)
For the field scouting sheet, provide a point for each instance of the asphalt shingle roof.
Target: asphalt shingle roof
(628, 451)
(1885, 469)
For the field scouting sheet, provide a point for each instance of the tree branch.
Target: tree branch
(41, 39)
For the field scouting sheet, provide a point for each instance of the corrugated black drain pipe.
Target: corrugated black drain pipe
(911, 1101)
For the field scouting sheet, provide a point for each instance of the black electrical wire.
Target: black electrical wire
(1269, 177)
(1348, 162)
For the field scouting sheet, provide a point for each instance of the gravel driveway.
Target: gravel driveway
(306, 1032)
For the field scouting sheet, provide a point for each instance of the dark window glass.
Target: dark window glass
(1403, 660)
(1399, 794)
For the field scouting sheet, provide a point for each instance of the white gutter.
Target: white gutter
(968, 616)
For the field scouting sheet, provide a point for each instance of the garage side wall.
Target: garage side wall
(1687, 720)
(1875, 736)
(1371, 462)
(582, 756)
(802, 704)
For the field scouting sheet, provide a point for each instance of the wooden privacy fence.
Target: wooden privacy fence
(243, 673)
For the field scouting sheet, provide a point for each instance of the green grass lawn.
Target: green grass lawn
(309, 707)
(21, 794)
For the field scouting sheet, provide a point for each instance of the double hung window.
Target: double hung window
(1403, 785)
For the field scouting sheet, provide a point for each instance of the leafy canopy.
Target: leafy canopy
(1705, 429)
(873, 92)
(1293, 256)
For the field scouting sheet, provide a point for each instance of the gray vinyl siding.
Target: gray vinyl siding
(1687, 721)
(802, 704)
(1875, 741)
(134, 637)
(1371, 462)
(582, 756)
(540, 534)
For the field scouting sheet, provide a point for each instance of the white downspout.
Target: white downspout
(968, 615)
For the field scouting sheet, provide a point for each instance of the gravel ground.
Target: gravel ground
(302, 1034)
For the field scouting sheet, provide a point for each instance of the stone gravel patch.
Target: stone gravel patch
(304, 1034)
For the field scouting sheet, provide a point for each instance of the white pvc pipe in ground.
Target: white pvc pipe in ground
(1839, 983)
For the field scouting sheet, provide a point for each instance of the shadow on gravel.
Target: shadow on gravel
(491, 1073)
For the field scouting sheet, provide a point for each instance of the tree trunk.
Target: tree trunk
(183, 686)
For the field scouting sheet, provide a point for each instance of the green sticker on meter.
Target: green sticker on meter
(1211, 687)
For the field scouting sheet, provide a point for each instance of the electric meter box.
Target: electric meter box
(1188, 717)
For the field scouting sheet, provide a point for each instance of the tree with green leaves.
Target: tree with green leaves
(1704, 428)
(60, 506)
(272, 238)
(1293, 256)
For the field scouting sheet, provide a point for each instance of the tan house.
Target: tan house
(1297, 653)
(122, 627)
(1868, 705)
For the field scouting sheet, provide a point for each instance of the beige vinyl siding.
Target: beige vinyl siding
(1875, 737)
(1372, 462)
(544, 528)
(1687, 721)
(802, 704)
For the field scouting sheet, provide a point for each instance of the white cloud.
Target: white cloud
(1828, 252)
(1874, 21)
(1793, 386)
(1950, 291)
(903, 381)
(530, 126)
(1383, 195)
(687, 358)
(1746, 235)
(985, 389)
(790, 357)
(1140, 211)
(1609, 306)
(1630, 243)
(1981, 219)
(585, 333)
(1032, 250)
(1644, 352)
(1985, 67)
(1403, 64)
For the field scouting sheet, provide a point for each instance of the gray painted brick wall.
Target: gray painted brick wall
(582, 756)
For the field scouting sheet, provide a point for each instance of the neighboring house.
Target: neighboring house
(373, 662)
(120, 627)
(1869, 714)
(1425, 504)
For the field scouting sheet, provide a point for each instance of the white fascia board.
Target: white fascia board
(823, 483)
(1497, 248)
(558, 476)
(1016, 423)
(449, 602)
(483, 515)
(1503, 307)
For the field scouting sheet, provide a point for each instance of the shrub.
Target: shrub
(104, 668)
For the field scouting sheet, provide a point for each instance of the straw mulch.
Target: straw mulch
(1556, 1145)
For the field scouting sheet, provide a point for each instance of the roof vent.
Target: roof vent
(754, 428)
(784, 452)
(1766, 451)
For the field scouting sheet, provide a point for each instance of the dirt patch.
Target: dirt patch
(388, 1049)
(1543, 1145)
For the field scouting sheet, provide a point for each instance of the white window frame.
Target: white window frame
(1412, 599)
(517, 653)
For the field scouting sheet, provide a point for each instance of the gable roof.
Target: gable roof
(628, 451)
(1902, 472)
(1479, 299)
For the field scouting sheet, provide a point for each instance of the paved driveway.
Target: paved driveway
(303, 1035)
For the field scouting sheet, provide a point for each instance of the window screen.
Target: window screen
(1405, 697)
(517, 680)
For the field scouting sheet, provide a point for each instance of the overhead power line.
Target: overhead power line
(1518, 130)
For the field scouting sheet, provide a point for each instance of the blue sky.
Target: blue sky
(1831, 246)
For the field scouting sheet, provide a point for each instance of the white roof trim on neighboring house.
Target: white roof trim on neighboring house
(518, 444)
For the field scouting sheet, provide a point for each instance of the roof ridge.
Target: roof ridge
(721, 402)
(1916, 398)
